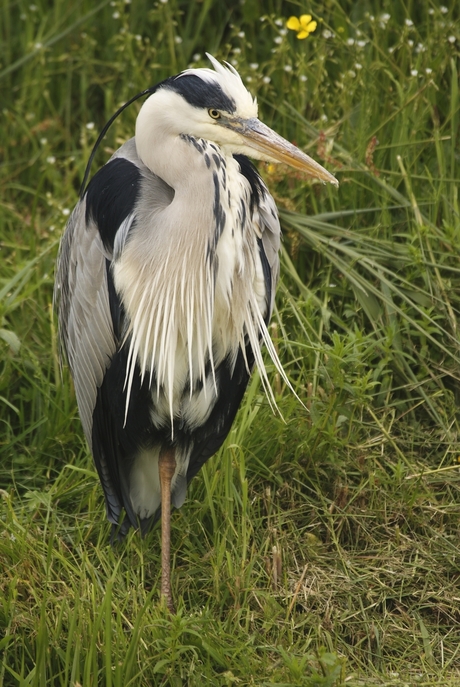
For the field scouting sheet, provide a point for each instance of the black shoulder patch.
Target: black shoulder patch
(200, 93)
(111, 196)
(248, 170)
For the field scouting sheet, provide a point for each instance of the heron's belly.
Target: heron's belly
(144, 481)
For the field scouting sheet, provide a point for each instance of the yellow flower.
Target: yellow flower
(303, 25)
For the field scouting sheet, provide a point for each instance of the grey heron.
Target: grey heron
(165, 286)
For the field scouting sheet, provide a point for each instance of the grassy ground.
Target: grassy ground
(322, 550)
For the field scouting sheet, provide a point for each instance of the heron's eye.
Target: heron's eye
(213, 113)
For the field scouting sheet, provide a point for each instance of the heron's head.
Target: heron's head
(216, 106)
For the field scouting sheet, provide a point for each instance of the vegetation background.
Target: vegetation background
(320, 550)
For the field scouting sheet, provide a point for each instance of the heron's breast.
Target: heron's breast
(187, 299)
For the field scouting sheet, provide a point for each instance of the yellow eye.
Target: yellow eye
(215, 114)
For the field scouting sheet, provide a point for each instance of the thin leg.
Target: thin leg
(167, 466)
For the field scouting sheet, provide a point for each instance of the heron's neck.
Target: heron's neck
(181, 161)
(199, 172)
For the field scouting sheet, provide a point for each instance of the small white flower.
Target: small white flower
(350, 41)
(444, 9)
(34, 8)
(278, 40)
(237, 51)
(51, 159)
(116, 15)
(408, 22)
(420, 48)
(266, 79)
(177, 40)
(66, 212)
(249, 79)
(351, 73)
(303, 78)
(240, 34)
(43, 141)
(288, 68)
(410, 43)
(361, 44)
(90, 126)
(327, 33)
(428, 70)
(254, 65)
(452, 39)
(385, 17)
(431, 11)
(279, 22)
(391, 49)
(196, 57)
(138, 37)
(358, 66)
(414, 72)
(234, 62)
(323, 118)
(38, 46)
(283, 32)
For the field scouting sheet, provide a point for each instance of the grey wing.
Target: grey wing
(85, 300)
(82, 299)
(121, 192)
(92, 321)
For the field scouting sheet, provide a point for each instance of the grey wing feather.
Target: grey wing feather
(271, 240)
(128, 151)
(82, 299)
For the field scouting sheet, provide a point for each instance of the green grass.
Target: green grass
(321, 550)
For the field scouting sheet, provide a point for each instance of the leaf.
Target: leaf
(11, 339)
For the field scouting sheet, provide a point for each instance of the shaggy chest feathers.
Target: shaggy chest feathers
(191, 301)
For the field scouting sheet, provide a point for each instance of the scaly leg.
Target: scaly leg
(167, 466)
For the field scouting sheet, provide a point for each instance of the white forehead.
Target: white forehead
(230, 81)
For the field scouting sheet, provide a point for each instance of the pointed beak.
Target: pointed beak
(269, 146)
